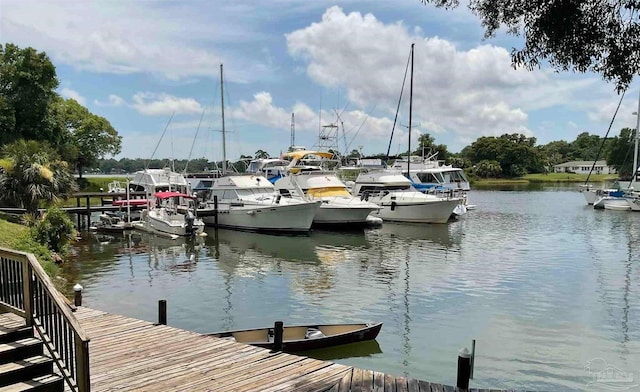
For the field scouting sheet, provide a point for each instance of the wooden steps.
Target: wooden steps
(23, 365)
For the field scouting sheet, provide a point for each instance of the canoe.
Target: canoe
(305, 337)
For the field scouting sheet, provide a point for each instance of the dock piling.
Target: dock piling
(278, 332)
(215, 207)
(464, 369)
(162, 312)
(77, 294)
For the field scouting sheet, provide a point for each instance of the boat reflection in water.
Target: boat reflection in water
(443, 236)
(361, 349)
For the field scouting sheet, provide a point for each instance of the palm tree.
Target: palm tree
(31, 174)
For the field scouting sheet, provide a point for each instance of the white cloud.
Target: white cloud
(152, 104)
(113, 100)
(73, 94)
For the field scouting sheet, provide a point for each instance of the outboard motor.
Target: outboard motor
(189, 218)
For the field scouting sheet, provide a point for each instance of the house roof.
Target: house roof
(581, 163)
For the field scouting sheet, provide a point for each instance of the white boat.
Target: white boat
(251, 203)
(158, 180)
(170, 214)
(310, 182)
(428, 173)
(400, 201)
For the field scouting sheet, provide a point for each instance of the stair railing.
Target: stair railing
(48, 312)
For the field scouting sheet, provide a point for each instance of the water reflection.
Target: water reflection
(361, 349)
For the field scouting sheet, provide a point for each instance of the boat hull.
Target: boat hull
(301, 340)
(437, 211)
(268, 218)
(158, 223)
(331, 214)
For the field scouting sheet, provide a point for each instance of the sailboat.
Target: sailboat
(250, 202)
(399, 200)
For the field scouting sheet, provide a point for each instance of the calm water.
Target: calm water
(548, 287)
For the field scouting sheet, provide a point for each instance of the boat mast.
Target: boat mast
(224, 146)
(635, 154)
(410, 112)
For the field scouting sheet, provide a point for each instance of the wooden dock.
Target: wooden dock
(128, 354)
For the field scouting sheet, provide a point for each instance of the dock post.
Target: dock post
(464, 369)
(278, 332)
(77, 294)
(162, 312)
(88, 212)
(215, 207)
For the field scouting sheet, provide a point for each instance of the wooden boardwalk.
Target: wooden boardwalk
(134, 355)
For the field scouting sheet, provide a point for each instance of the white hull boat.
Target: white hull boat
(312, 183)
(400, 202)
(252, 203)
(170, 216)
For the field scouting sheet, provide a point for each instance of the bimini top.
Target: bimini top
(302, 153)
(168, 195)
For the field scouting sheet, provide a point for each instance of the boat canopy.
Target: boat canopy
(301, 154)
(168, 195)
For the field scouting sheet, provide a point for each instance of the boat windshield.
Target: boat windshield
(455, 176)
(255, 192)
(254, 167)
(427, 178)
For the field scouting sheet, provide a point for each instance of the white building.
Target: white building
(584, 167)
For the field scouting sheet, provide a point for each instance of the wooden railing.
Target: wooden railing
(43, 307)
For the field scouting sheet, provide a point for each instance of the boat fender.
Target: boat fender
(393, 206)
(313, 333)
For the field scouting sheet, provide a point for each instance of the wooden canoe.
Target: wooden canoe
(305, 337)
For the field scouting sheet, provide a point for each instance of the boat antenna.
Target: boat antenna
(293, 129)
(605, 137)
(146, 166)
(395, 120)
(410, 110)
(224, 146)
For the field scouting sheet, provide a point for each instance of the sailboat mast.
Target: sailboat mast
(635, 154)
(224, 145)
(410, 112)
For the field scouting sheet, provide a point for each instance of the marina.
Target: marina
(544, 283)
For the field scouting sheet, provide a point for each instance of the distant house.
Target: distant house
(584, 167)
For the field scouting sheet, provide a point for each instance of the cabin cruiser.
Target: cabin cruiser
(309, 182)
(271, 168)
(400, 201)
(170, 208)
(250, 202)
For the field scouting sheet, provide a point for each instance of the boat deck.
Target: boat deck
(130, 354)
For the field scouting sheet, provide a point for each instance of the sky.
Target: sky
(290, 68)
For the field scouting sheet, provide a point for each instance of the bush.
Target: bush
(55, 230)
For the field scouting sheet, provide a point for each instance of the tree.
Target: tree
(589, 35)
(586, 147)
(516, 153)
(620, 154)
(260, 154)
(88, 137)
(30, 175)
(488, 169)
(27, 87)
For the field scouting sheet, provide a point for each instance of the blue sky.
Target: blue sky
(137, 63)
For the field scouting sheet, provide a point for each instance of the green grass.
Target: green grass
(93, 184)
(544, 178)
(569, 177)
(18, 237)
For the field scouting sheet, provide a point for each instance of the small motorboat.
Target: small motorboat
(305, 337)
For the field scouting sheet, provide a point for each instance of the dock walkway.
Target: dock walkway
(135, 355)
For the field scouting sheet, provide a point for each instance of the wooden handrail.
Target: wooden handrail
(45, 309)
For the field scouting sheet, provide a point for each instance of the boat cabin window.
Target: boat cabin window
(254, 167)
(381, 188)
(224, 194)
(254, 192)
(426, 178)
(455, 176)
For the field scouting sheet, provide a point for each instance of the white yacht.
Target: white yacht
(400, 201)
(307, 181)
(170, 207)
(250, 202)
